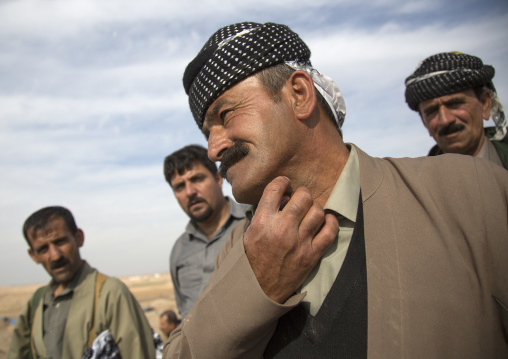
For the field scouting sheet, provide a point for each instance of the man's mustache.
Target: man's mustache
(231, 156)
(59, 263)
(193, 200)
(451, 128)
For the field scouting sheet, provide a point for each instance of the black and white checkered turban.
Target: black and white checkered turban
(235, 52)
(444, 74)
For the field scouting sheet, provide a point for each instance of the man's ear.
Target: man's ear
(80, 237)
(32, 255)
(486, 100)
(303, 93)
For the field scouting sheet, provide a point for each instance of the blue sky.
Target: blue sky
(91, 102)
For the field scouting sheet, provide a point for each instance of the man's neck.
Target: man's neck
(324, 173)
(321, 157)
(60, 287)
(481, 147)
(216, 221)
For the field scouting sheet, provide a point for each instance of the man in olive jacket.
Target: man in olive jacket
(62, 319)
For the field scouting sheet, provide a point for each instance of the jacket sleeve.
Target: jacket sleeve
(232, 318)
(493, 184)
(174, 276)
(120, 312)
(20, 341)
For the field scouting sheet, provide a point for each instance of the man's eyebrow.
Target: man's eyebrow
(450, 102)
(59, 239)
(42, 246)
(455, 100)
(176, 183)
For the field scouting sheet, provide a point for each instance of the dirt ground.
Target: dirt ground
(154, 293)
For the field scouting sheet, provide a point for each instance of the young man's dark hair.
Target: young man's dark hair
(41, 218)
(184, 159)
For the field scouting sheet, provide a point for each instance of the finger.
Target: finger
(273, 194)
(324, 239)
(299, 204)
(312, 222)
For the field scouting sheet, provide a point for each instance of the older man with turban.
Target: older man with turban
(341, 255)
(454, 93)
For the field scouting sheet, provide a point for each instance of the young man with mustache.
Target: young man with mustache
(197, 186)
(454, 93)
(342, 255)
(63, 319)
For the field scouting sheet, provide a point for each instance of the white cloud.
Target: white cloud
(60, 18)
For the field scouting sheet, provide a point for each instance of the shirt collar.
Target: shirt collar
(344, 197)
(488, 152)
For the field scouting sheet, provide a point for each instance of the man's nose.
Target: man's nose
(445, 116)
(190, 189)
(218, 142)
(54, 253)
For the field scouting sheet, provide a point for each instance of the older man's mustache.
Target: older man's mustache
(231, 156)
(62, 261)
(451, 128)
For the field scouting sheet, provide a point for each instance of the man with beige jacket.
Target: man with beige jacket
(342, 255)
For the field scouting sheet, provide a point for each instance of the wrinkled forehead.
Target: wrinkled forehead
(189, 170)
(234, 53)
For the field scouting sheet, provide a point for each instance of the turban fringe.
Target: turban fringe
(451, 72)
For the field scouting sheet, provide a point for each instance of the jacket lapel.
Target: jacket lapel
(382, 259)
(80, 315)
(38, 341)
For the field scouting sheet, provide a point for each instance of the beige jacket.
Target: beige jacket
(436, 238)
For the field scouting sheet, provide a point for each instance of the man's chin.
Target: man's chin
(201, 215)
(450, 143)
(62, 277)
(250, 195)
(452, 147)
